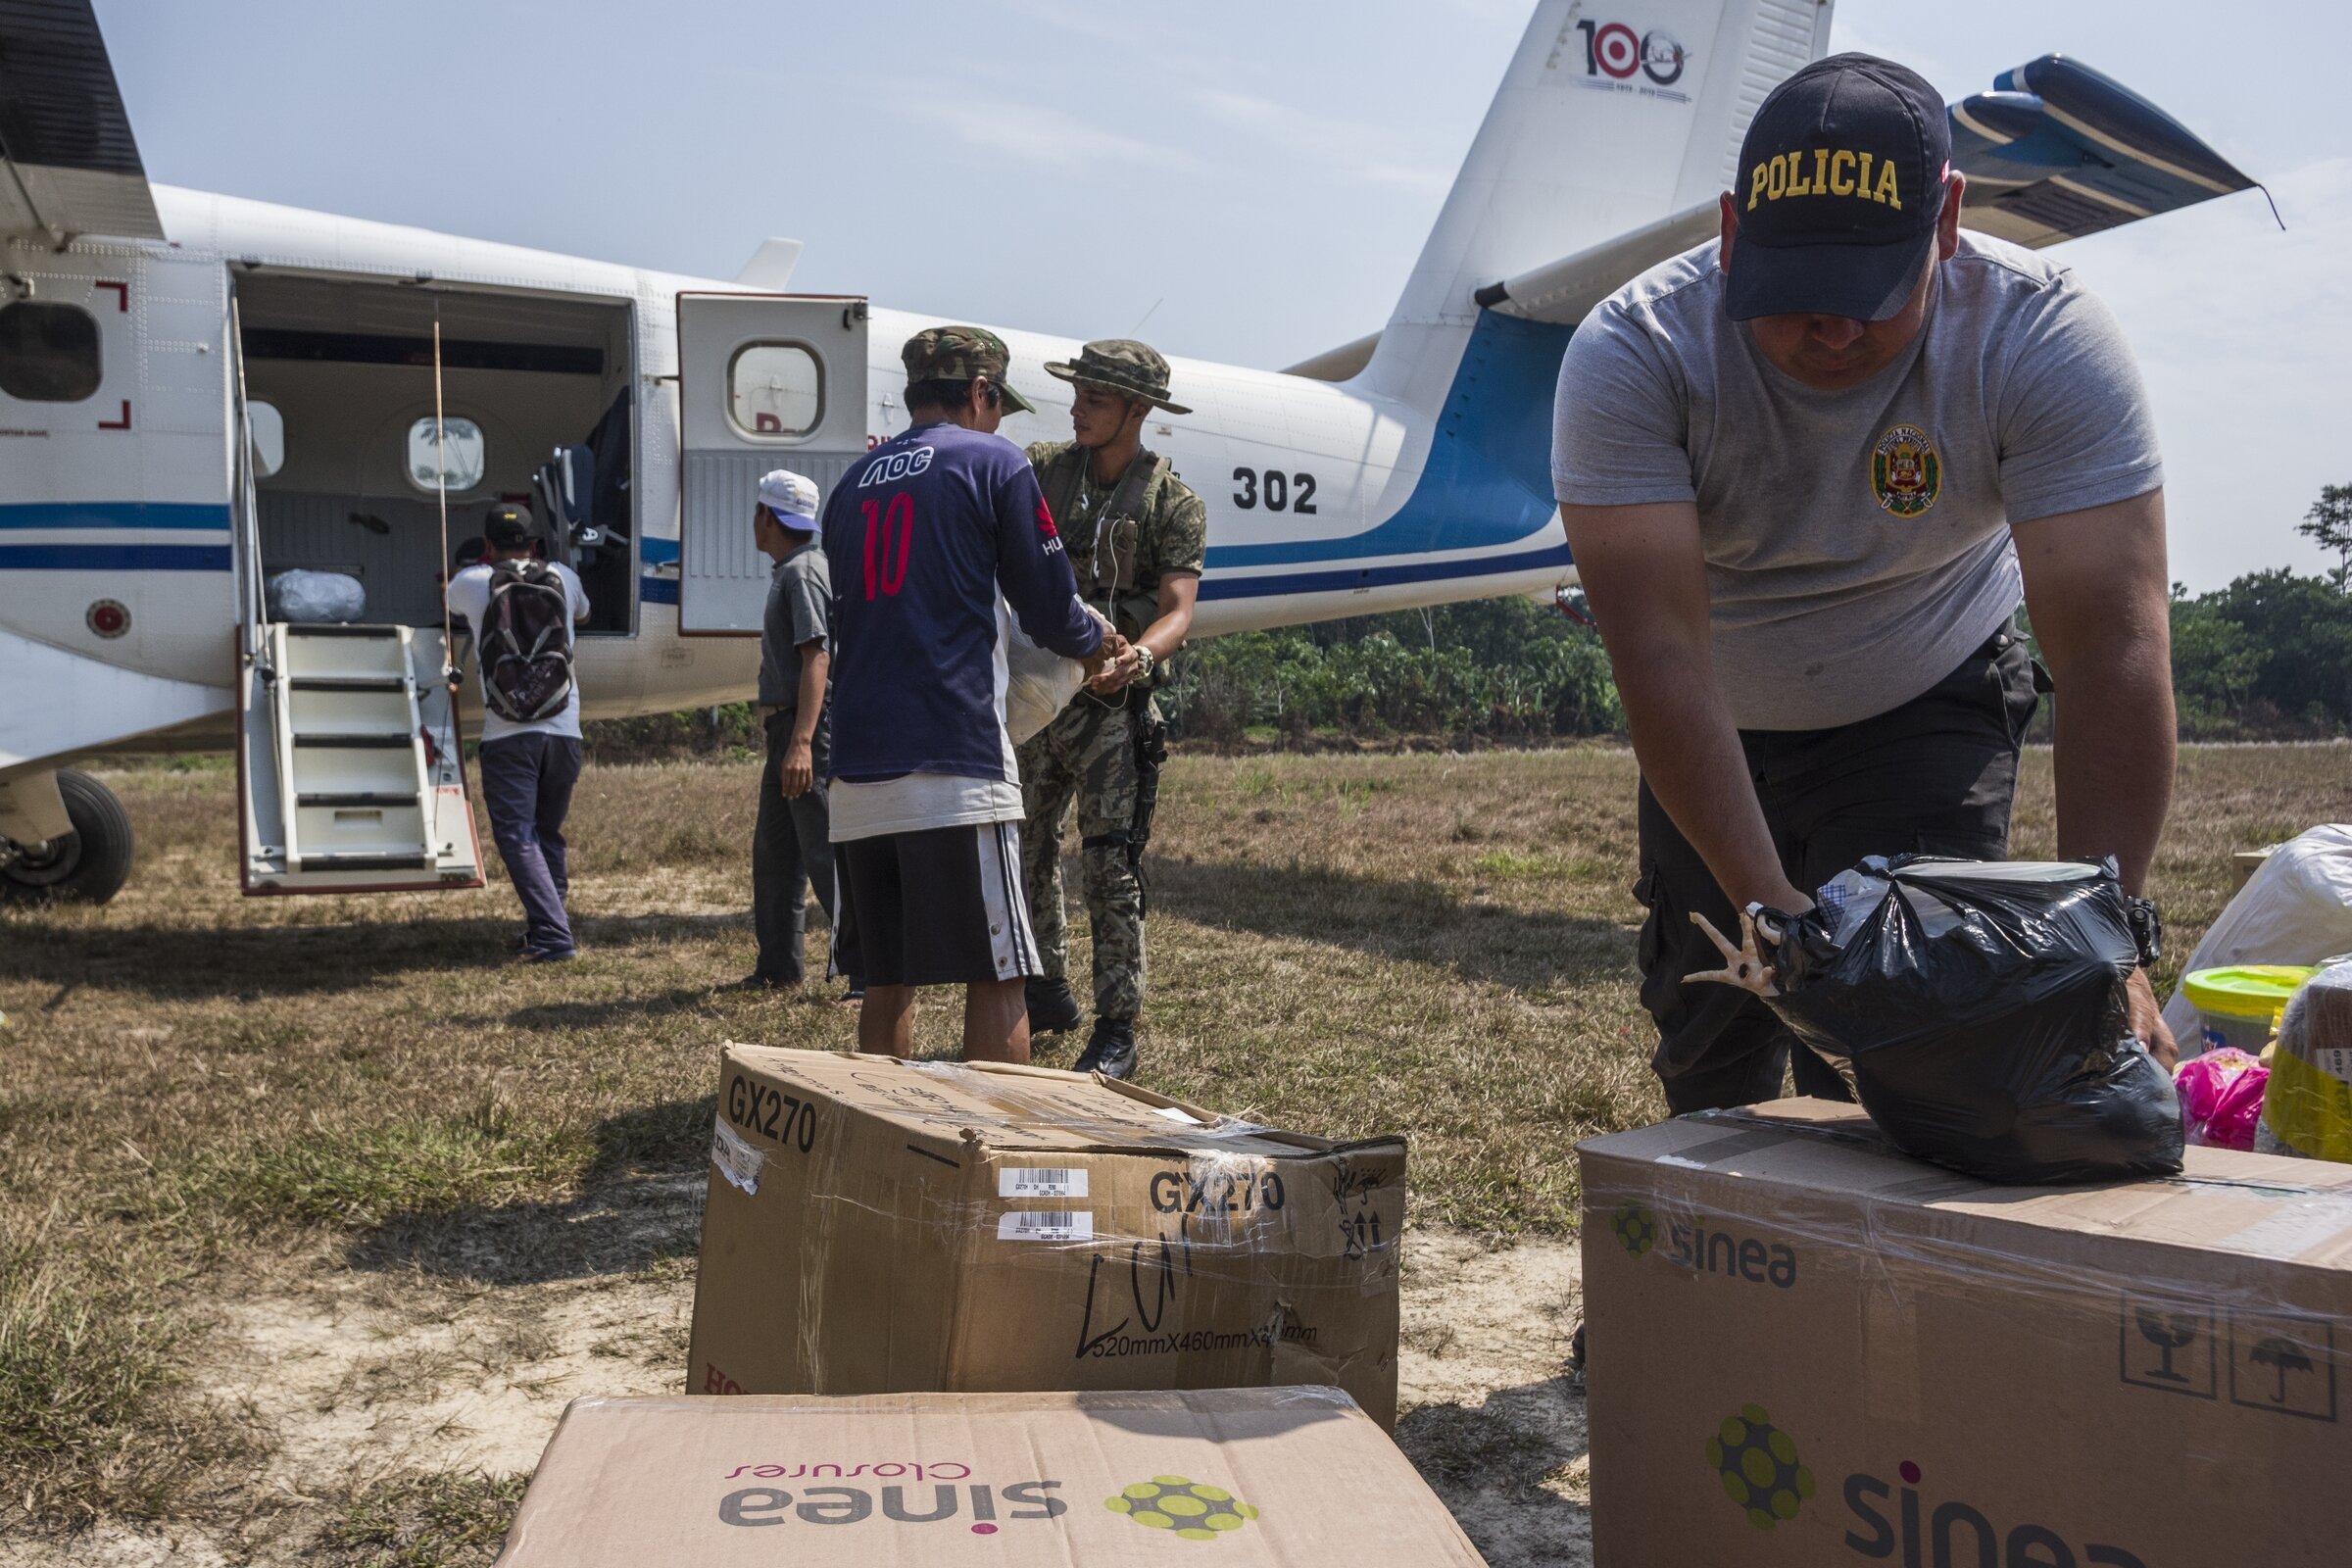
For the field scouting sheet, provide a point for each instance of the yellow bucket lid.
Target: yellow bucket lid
(2245, 990)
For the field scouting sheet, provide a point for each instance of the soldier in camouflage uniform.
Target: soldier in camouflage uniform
(1136, 535)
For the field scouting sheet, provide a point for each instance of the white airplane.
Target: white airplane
(199, 392)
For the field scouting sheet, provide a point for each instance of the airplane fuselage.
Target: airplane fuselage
(121, 515)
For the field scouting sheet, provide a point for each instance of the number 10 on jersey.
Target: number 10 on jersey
(888, 534)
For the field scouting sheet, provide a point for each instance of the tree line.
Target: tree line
(2266, 657)
(2269, 656)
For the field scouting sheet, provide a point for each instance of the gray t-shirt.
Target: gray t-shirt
(1857, 542)
(799, 593)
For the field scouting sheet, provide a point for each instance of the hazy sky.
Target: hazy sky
(1242, 182)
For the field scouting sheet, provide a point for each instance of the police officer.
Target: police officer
(1136, 535)
(1808, 470)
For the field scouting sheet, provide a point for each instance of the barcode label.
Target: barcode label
(738, 1160)
(1041, 1181)
(2336, 1061)
(1045, 1225)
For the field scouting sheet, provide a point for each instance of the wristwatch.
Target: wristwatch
(2147, 929)
(1145, 661)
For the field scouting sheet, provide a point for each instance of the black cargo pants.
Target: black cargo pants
(1936, 774)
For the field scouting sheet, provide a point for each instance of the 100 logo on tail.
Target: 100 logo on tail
(1613, 50)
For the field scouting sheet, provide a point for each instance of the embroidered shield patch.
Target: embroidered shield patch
(1905, 473)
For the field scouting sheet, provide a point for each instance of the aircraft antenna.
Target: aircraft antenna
(449, 647)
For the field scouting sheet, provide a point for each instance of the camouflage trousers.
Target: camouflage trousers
(1087, 752)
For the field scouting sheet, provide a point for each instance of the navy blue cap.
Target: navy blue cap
(1841, 182)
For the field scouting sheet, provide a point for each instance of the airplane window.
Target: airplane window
(461, 449)
(48, 353)
(776, 389)
(269, 429)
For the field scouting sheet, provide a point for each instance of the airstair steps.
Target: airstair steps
(350, 749)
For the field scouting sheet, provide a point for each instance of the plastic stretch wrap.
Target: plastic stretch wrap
(1977, 1009)
(2307, 1105)
(876, 1224)
(316, 598)
(1938, 1368)
(1822, 1183)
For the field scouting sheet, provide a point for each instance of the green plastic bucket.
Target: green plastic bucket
(2237, 1005)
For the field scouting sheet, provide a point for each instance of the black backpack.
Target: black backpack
(525, 643)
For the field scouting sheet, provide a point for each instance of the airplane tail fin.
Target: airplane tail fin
(1601, 125)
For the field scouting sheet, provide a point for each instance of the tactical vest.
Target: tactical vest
(1108, 576)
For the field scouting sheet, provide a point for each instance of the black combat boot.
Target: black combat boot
(1052, 1007)
(1110, 1050)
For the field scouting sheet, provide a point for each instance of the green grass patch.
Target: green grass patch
(430, 1521)
(362, 1177)
(1519, 865)
(91, 1419)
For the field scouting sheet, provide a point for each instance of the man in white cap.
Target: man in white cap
(791, 845)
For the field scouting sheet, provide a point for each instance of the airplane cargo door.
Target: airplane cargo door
(764, 382)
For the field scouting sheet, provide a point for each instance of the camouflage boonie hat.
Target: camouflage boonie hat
(1123, 366)
(961, 353)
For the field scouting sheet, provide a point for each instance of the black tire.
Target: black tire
(87, 865)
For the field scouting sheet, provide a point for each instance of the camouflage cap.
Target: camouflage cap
(1123, 366)
(961, 353)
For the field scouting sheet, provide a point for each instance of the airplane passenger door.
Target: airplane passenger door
(764, 382)
(351, 775)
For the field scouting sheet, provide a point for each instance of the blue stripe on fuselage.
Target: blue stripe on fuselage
(1344, 580)
(114, 558)
(1487, 483)
(114, 514)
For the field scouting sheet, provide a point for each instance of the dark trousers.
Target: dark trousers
(1936, 774)
(790, 849)
(526, 784)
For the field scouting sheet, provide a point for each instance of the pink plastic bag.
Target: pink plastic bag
(2220, 1097)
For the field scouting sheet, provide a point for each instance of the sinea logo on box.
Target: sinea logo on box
(1757, 1465)
(931, 1503)
(1691, 1245)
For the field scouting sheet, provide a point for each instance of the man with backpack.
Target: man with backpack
(522, 611)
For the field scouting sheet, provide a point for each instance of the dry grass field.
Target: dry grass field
(313, 1212)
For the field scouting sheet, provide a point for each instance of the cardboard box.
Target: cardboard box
(877, 1226)
(1270, 1477)
(1805, 1347)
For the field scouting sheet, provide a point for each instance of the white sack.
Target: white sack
(314, 598)
(2296, 908)
(1039, 683)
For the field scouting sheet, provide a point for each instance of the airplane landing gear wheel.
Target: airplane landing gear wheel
(88, 864)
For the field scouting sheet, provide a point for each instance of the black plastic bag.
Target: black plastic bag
(1980, 1012)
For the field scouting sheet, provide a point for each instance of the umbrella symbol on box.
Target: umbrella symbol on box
(2281, 1356)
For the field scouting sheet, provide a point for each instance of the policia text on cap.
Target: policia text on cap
(1806, 472)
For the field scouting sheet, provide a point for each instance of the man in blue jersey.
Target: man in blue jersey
(924, 534)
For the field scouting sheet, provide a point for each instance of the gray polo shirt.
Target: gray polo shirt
(799, 591)
(1857, 542)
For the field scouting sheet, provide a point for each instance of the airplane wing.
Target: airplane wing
(72, 164)
(2054, 152)
(2057, 151)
